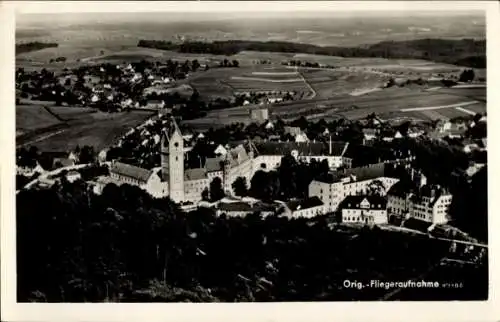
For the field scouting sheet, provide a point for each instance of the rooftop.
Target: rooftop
(307, 203)
(303, 148)
(195, 174)
(130, 171)
(354, 202)
(213, 164)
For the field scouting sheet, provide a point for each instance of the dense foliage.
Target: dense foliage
(125, 246)
(463, 52)
(33, 46)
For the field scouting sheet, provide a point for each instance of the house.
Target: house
(301, 138)
(155, 104)
(364, 209)
(258, 115)
(73, 176)
(305, 208)
(269, 125)
(443, 126)
(398, 135)
(369, 134)
(220, 150)
(102, 155)
(413, 133)
(292, 130)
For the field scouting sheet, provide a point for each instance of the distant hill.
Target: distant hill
(463, 52)
(33, 46)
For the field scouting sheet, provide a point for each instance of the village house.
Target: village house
(259, 115)
(73, 176)
(369, 134)
(364, 209)
(155, 104)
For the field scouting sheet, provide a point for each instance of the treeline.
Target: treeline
(463, 52)
(33, 46)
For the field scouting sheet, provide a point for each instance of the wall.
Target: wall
(372, 216)
(194, 188)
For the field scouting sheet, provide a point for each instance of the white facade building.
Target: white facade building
(364, 209)
(429, 204)
(355, 182)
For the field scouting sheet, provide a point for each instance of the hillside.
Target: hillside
(463, 52)
(33, 46)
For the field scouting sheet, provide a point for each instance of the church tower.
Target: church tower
(172, 161)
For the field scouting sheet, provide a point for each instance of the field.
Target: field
(59, 128)
(393, 104)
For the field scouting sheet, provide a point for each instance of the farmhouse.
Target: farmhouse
(364, 209)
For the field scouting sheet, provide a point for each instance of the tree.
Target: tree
(216, 190)
(236, 63)
(376, 188)
(205, 194)
(467, 75)
(195, 65)
(240, 187)
(87, 154)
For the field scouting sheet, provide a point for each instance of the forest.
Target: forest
(124, 246)
(463, 52)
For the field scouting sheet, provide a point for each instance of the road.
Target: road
(45, 175)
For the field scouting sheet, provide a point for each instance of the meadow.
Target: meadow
(61, 128)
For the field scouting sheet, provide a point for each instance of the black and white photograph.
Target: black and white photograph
(237, 155)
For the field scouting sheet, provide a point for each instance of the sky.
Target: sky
(441, 7)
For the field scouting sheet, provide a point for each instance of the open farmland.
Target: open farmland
(59, 128)
(225, 82)
(388, 103)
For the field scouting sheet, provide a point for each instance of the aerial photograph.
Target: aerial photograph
(264, 156)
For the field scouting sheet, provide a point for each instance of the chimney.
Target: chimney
(330, 146)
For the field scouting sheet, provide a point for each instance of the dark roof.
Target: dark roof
(369, 131)
(65, 162)
(131, 171)
(234, 206)
(417, 224)
(371, 171)
(304, 203)
(402, 188)
(213, 164)
(243, 206)
(353, 202)
(303, 148)
(195, 174)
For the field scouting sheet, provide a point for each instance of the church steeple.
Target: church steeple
(172, 160)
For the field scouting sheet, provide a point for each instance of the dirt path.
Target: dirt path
(416, 109)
